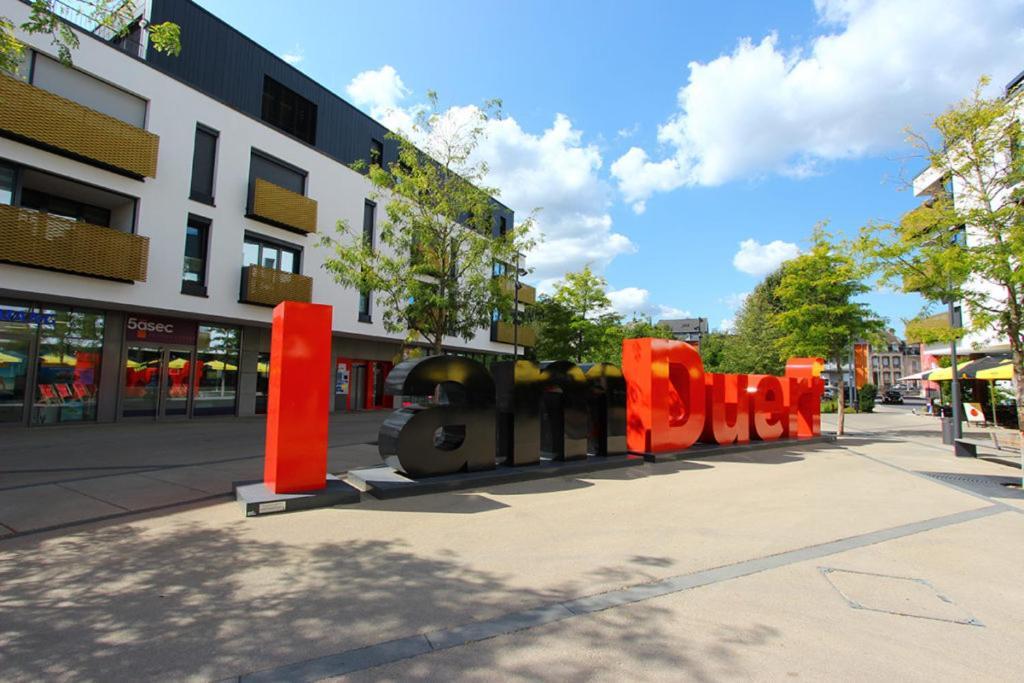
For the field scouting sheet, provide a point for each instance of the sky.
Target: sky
(681, 149)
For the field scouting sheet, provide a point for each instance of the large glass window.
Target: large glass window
(369, 218)
(262, 382)
(204, 159)
(273, 255)
(193, 276)
(376, 152)
(68, 366)
(285, 109)
(67, 208)
(216, 384)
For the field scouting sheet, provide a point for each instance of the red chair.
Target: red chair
(64, 391)
(47, 394)
(81, 391)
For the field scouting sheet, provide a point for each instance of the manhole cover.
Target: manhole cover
(898, 595)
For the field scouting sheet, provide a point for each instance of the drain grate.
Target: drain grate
(897, 595)
(985, 485)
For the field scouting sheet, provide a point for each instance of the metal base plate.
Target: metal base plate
(257, 499)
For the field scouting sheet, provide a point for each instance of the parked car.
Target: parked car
(828, 394)
(892, 396)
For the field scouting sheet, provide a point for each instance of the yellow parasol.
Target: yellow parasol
(221, 365)
(8, 358)
(54, 359)
(1002, 371)
(945, 374)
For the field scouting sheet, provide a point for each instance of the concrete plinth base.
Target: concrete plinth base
(385, 482)
(707, 449)
(257, 499)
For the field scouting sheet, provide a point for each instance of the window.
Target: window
(895, 361)
(885, 361)
(68, 367)
(67, 208)
(277, 172)
(204, 159)
(502, 226)
(193, 272)
(266, 253)
(369, 216)
(285, 109)
(51, 75)
(262, 382)
(499, 269)
(874, 361)
(376, 152)
(216, 370)
(6, 184)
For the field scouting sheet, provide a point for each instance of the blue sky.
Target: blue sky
(679, 148)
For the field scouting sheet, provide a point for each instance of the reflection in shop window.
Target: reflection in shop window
(262, 383)
(68, 366)
(216, 382)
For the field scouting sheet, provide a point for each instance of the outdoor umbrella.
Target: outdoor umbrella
(945, 374)
(7, 358)
(1004, 370)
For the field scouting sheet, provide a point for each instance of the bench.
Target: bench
(1008, 441)
(966, 448)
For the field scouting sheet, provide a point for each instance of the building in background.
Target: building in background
(689, 330)
(153, 210)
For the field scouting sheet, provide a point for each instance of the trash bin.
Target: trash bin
(947, 430)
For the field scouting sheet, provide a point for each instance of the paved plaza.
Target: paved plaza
(878, 556)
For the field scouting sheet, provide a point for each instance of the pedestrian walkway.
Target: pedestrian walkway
(881, 556)
(60, 476)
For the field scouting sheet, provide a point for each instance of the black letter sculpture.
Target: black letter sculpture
(454, 431)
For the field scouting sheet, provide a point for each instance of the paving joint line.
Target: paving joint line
(379, 654)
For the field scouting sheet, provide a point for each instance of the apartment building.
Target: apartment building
(932, 181)
(154, 209)
(892, 359)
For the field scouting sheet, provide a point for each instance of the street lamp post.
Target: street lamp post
(954, 390)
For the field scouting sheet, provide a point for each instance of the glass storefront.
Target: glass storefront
(49, 363)
(262, 382)
(217, 370)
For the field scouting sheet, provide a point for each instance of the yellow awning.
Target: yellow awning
(221, 365)
(54, 359)
(7, 358)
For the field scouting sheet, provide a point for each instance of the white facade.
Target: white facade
(163, 207)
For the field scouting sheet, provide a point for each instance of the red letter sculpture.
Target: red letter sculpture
(727, 407)
(665, 385)
(300, 387)
(805, 387)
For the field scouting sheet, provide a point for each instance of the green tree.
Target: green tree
(712, 350)
(576, 322)
(819, 316)
(754, 345)
(967, 250)
(637, 327)
(115, 17)
(431, 274)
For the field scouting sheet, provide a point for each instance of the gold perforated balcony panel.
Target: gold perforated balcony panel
(285, 209)
(40, 118)
(41, 240)
(505, 332)
(527, 294)
(269, 287)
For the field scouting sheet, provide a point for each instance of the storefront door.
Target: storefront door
(158, 381)
(15, 360)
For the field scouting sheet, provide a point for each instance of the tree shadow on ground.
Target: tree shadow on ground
(130, 603)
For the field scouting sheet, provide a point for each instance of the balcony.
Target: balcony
(527, 294)
(40, 118)
(504, 332)
(282, 208)
(269, 287)
(41, 240)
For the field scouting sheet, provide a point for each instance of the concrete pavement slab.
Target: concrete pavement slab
(135, 491)
(49, 505)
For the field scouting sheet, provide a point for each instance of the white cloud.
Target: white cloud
(377, 89)
(294, 56)
(553, 170)
(727, 325)
(765, 108)
(734, 300)
(759, 259)
(635, 301)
